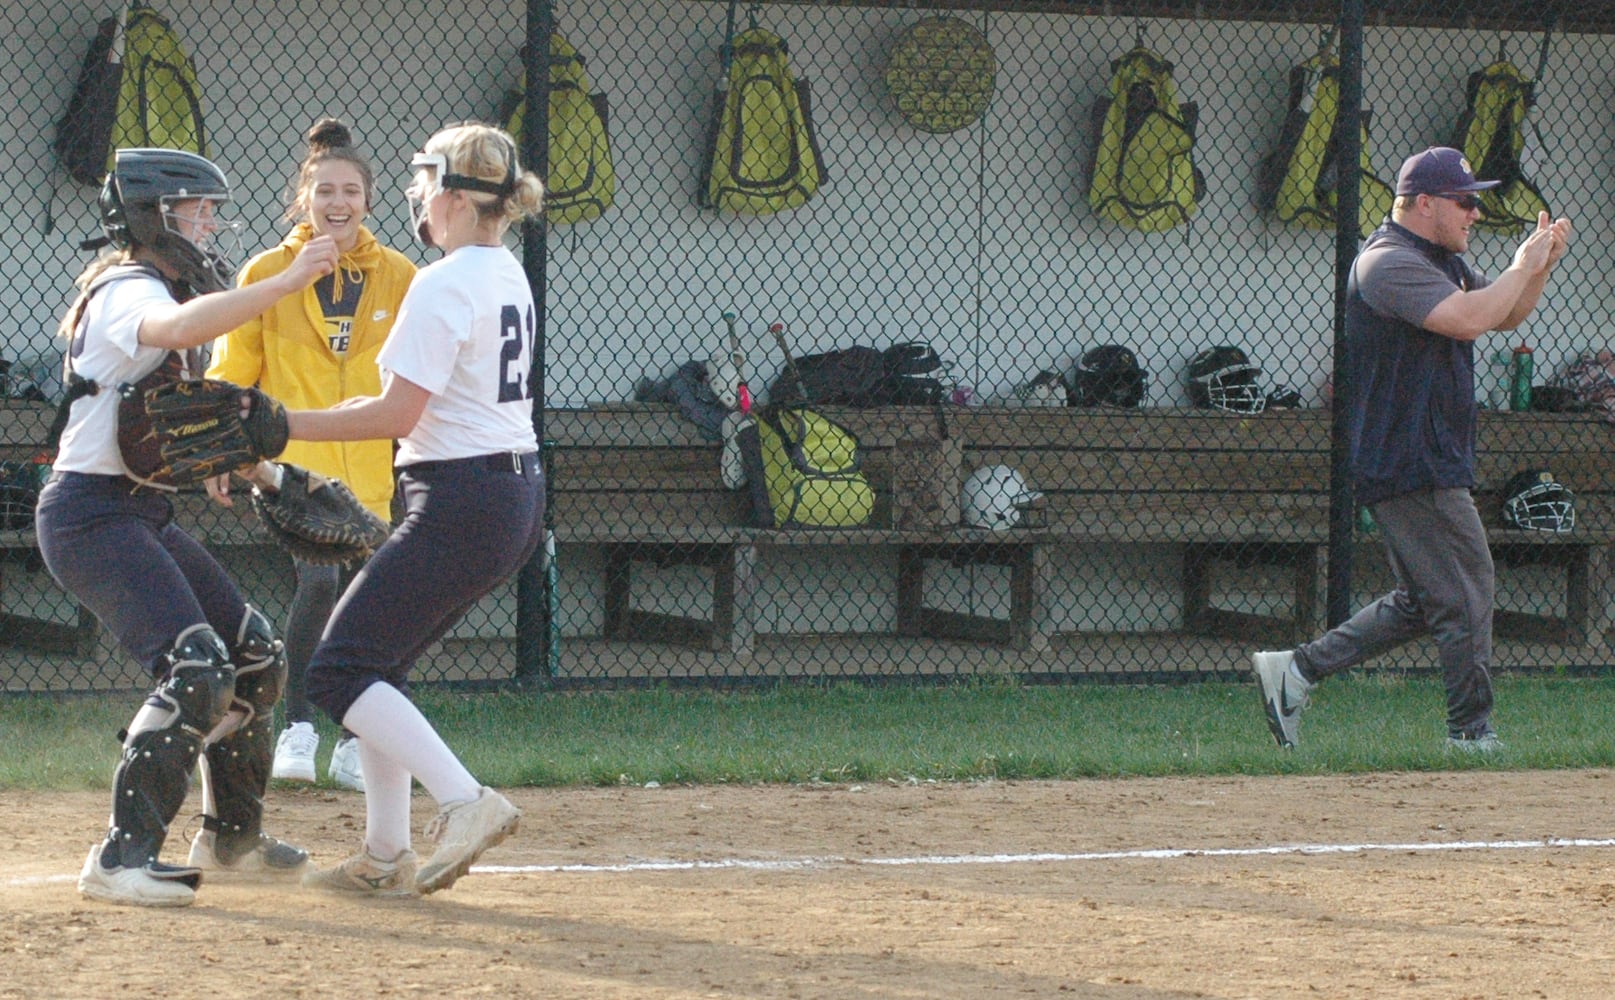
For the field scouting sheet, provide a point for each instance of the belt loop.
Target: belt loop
(516, 462)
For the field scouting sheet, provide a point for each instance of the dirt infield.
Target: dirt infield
(1420, 885)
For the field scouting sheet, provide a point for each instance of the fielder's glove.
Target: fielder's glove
(318, 520)
(201, 431)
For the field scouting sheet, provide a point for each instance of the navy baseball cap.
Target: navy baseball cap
(1438, 170)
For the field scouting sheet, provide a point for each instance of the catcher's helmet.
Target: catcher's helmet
(136, 204)
(1107, 376)
(1534, 501)
(997, 497)
(1224, 378)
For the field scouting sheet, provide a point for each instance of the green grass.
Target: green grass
(855, 733)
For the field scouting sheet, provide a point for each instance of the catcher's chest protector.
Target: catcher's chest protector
(137, 440)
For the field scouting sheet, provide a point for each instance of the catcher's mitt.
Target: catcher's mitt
(201, 433)
(318, 520)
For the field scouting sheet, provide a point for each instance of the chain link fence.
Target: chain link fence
(1126, 465)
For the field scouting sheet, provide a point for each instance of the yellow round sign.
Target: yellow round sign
(941, 73)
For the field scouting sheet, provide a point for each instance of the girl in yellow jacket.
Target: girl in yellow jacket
(312, 351)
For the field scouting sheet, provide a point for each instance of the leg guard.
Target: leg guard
(235, 771)
(149, 786)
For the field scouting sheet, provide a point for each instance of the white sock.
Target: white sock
(386, 803)
(391, 723)
(1295, 671)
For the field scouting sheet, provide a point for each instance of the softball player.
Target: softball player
(456, 393)
(113, 544)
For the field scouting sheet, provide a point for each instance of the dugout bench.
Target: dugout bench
(1227, 491)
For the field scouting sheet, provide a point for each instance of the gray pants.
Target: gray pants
(1445, 582)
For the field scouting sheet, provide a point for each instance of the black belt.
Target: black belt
(111, 479)
(518, 462)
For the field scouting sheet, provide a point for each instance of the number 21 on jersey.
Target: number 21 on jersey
(515, 354)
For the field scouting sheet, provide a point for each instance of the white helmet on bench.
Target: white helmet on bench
(996, 497)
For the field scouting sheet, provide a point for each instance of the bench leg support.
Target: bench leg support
(1576, 561)
(42, 635)
(730, 629)
(1202, 618)
(1018, 631)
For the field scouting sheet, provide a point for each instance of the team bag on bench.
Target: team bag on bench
(812, 467)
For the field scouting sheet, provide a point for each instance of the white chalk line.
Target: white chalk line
(923, 860)
(1154, 854)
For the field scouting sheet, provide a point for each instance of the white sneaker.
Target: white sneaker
(462, 832)
(367, 875)
(154, 885)
(269, 858)
(1482, 743)
(1284, 695)
(294, 752)
(346, 771)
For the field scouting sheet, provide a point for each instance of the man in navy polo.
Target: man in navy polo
(1414, 309)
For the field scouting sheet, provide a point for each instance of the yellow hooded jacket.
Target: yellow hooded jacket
(284, 352)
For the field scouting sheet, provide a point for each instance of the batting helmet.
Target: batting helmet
(1108, 376)
(997, 497)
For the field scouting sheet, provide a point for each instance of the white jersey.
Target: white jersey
(106, 349)
(465, 334)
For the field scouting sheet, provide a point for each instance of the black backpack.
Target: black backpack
(913, 375)
(852, 376)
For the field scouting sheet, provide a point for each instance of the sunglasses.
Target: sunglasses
(1467, 202)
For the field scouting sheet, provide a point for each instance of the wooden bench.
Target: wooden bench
(1576, 449)
(638, 481)
(1229, 491)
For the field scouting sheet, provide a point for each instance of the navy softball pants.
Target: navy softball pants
(469, 524)
(120, 554)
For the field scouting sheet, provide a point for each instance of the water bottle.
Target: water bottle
(1497, 380)
(1520, 369)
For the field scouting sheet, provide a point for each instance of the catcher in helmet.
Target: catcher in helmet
(107, 535)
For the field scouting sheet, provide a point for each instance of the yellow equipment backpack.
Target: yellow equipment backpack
(582, 182)
(812, 467)
(1492, 136)
(761, 154)
(1300, 180)
(136, 89)
(1142, 173)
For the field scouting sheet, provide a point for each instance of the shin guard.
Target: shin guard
(150, 784)
(236, 765)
